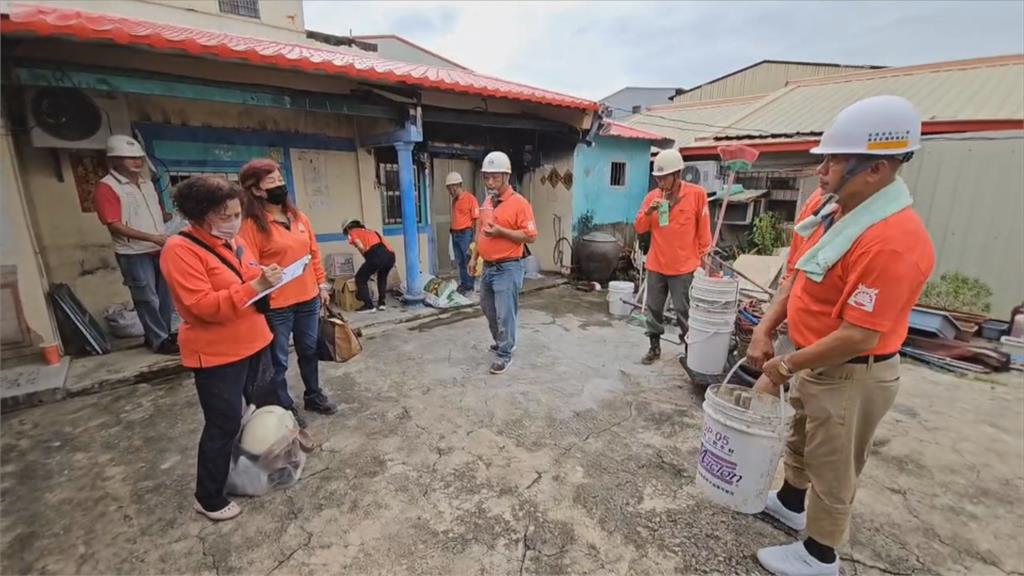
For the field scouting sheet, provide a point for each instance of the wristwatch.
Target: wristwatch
(785, 369)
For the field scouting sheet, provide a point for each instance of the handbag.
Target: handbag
(337, 342)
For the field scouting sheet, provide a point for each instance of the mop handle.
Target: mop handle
(721, 213)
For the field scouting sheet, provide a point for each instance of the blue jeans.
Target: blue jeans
(461, 241)
(141, 273)
(499, 298)
(302, 322)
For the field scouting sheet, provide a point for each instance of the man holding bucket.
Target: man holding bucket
(676, 215)
(862, 260)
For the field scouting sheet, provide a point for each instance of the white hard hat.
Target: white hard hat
(497, 162)
(878, 126)
(453, 178)
(121, 146)
(667, 162)
(265, 427)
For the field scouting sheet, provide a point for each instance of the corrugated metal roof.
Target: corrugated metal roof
(618, 130)
(981, 89)
(684, 122)
(35, 20)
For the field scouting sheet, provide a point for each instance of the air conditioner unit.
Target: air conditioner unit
(703, 174)
(739, 213)
(72, 118)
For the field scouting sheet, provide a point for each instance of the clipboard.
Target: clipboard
(290, 272)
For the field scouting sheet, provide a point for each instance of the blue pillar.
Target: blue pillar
(407, 185)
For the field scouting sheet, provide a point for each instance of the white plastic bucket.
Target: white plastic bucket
(707, 340)
(714, 293)
(619, 296)
(741, 447)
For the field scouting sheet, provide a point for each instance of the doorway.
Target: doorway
(441, 206)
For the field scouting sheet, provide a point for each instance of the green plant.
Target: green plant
(585, 223)
(958, 292)
(767, 234)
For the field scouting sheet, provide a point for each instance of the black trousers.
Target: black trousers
(379, 261)
(222, 390)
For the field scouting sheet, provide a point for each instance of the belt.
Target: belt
(489, 263)
(462, 230)
(866, 359)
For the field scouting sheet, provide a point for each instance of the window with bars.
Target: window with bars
(618, 175)
(247, 8)
(391, 195)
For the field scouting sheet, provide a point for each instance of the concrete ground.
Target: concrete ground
(578, 461)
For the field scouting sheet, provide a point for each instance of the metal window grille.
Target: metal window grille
(618, 176)
(247, 8)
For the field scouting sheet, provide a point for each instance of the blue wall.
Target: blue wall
(591, 188)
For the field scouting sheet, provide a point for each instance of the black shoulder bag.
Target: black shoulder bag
(263, 304)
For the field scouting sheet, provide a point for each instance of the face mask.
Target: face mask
(226, 231)
(277, 195)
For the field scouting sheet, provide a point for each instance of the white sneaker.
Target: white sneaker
(774, 508)
(794, 560)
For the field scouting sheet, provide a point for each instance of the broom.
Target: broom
(736, 157)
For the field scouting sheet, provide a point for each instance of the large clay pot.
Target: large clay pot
(597, 256)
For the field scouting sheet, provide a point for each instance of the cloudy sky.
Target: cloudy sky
(592, 49)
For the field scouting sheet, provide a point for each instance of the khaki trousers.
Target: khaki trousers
(837, 412)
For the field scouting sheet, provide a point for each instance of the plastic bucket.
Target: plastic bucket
(617, 292)
(741, 445)
(714, 293)
(707, 340)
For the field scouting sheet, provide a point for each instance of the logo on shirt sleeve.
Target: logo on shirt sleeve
(531, 226)
(864, 298)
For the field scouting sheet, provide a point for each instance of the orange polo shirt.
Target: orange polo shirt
(465, 210)
(283, 244)
(874, 285)
(513, 212)
(217, 327)
(676, 249)
(368, 238)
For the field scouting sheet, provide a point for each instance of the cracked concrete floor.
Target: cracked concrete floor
(578, 461)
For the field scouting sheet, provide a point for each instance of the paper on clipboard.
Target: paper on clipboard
(291, 272)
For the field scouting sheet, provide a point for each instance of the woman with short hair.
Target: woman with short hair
(212, 277)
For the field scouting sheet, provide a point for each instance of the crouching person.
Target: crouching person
(212, 276)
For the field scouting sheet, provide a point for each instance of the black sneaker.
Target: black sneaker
(168, 347)
(366, 309)
(500, 366)
(382, 307)
(321, 405)
(298, 417)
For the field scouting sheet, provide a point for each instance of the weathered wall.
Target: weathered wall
(969, 189)
(592, 191)
(76, 248)
(548, 202)
(17, 246)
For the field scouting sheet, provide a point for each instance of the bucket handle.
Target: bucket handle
(782, 388)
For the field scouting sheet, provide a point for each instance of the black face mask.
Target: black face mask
(277, 195)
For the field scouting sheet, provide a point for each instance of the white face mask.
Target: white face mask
(226, 231)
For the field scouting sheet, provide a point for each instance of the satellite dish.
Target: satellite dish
(691, 174)
(66, 113)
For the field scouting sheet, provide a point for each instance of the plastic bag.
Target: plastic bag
(124, 321)
(280, 465)
(440, 293)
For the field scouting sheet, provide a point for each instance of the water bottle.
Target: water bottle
(663, 213)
